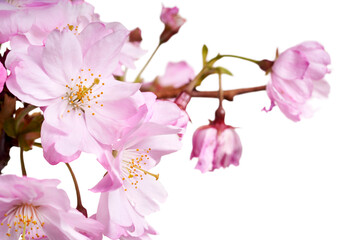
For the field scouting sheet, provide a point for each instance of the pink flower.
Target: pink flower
(172, 20)
(176, 75)
(36, 19)
(134, 189)
(297, 78)
(144, 140)
(3, 76)
(216, 145)
(39, 210)
(72, 77)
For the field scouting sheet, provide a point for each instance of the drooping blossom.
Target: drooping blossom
(216, 145)
(176, 74)
(3, 76)
(37, 209)
(130, 189)
(172, 20)
(36, 19)
(297, 79)
(71, 77)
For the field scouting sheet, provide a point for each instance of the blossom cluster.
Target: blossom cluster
(67, 62)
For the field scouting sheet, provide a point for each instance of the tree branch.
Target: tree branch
(170, 92)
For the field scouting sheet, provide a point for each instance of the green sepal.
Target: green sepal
(205, 51)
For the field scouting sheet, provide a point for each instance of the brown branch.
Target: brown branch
(228, 94)
(170, 92)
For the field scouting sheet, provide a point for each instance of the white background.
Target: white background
(295, 180)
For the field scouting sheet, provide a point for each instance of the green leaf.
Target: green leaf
(205, 51)
(223, 71)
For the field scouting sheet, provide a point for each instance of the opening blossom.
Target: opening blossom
(37, 209)
(297, 78)
(72, 77)
(216, 145)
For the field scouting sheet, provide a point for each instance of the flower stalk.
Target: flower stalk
(22, 162)
(79, 206)
(138, 77)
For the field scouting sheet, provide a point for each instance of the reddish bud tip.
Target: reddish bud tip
(135, 35)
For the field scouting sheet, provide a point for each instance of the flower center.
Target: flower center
(134, 164)
(72, 28)
(84, 91)
(25, 220)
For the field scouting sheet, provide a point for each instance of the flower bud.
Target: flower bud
(172, 20)
(216, 145)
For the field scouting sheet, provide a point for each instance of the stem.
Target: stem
(190, 87)
(221, 93)
(137, 79)
(78, 196)
(22, 162)
(243, 58)
(36, 144)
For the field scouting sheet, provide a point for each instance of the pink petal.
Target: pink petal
(229, 149)
(298, 90)
(177, 74)
(29, 78)
(49, 136)
(316, 71)
(204, 145)
(290, 65)
(104, 55)
(165, 112)
(62, 56)
(147, 196)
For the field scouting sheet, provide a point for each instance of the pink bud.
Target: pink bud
(172, 21)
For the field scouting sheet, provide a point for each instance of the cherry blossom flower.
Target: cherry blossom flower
(130, 190)
(216, 145)
(3, 76)
(176, 75)
(144, 140)
(172, 20)
(72, 77)
(297, 79)
(36, 19)
(37, 209)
